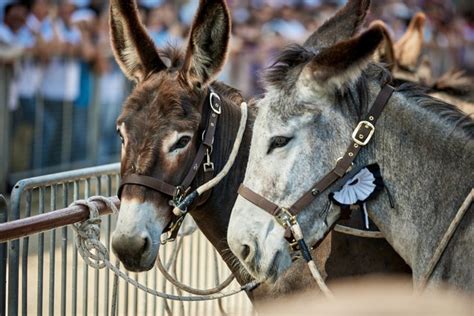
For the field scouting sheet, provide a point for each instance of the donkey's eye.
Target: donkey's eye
(120, 135)
(181, 143)
(278, 141)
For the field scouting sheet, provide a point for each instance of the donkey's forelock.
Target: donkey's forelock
(173, 56)
(285, 71)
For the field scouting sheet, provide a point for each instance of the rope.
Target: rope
(445, 240)
(298, 234)
(233, 154)
(95, 254)
(181, 208)
(357, 232)
(189, 289)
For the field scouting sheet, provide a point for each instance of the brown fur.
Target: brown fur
(128, 33)
(205, 55)
(385, 52)
(172, 99)
(408, 48)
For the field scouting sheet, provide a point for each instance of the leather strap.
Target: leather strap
(258, 200)
(360, 137)
(204, 148)
(149, 182)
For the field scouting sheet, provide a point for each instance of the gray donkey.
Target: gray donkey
(315, 96)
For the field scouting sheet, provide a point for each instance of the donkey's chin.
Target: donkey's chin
(277, 267)
(142, 264)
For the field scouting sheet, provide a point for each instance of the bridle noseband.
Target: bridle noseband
(178, 192)
(286, 216)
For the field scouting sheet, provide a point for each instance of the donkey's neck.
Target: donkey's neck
(213, 216)
(427, 165)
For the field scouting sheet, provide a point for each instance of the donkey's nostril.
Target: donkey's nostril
(245, 252)
(146, 244)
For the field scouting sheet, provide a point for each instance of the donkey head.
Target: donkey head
(301, 128)
(160, 122)
(403, 57)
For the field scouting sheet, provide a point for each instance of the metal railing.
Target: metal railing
(43, 136)
(54, 280)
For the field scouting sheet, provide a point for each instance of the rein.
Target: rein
(286, 216)
(179, 192)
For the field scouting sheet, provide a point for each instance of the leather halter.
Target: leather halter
(178, 192)
(360, 137)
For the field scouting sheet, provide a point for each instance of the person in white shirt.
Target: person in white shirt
(17, 41)
(60, 84)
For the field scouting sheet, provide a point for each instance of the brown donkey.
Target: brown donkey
(407, 63)
(161, 127)
(162, 124)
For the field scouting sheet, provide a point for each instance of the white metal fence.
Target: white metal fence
(43, 274)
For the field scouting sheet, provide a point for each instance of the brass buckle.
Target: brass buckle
(285, 218)
(357, 136)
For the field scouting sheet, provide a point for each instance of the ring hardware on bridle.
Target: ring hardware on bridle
(177, 193)
(286, 216)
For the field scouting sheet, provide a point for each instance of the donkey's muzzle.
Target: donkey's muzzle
(134, 251)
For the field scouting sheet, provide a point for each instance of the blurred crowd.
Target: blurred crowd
(63, 65)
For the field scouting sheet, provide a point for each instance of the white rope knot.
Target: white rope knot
(87, 232)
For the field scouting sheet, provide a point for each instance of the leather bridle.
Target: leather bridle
(178, 192)
(361, 136)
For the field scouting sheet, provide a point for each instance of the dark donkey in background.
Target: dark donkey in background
(161, 127)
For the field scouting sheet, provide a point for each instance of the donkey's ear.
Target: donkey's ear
(385, 52)
(341, 26)
(344, 62)
(208, 43)
(409, 46)
(132, 46)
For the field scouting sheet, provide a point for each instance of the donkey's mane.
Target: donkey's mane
(445, 111)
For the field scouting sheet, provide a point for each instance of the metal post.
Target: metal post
(24, 260)
(52, 257)
(93, 121)
(5, 79)
(13, 261)
(3, 258)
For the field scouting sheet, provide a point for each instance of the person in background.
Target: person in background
(113, 87)
(17, 43)
(86, 21)
(163, 26)
(60, 86)
(12, 28)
